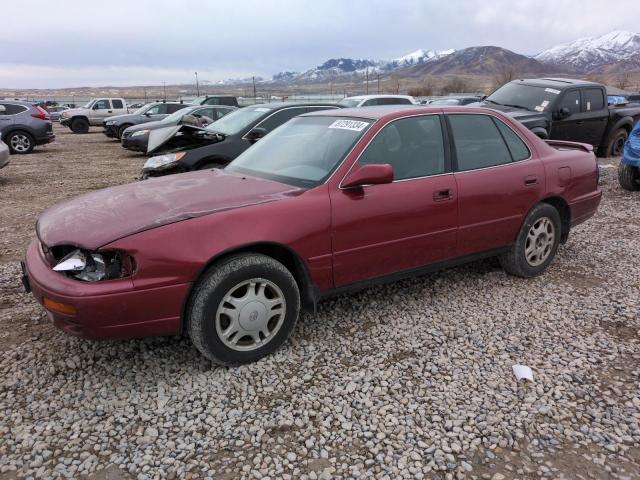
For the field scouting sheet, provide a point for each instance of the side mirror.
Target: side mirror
(371, 174)
(483, 98)
(256, 134)
(147, 114)
(3, 109)
(564, 112)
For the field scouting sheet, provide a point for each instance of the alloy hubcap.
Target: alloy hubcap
(250, 314)
(20, 143)
(540, 240)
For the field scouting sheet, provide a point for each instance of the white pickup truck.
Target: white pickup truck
(93, 113)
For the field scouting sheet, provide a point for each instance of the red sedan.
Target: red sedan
(328, 202)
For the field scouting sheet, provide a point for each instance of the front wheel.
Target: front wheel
(629, 177)
(122, 129)
(79, 125)
(536, 244)
(244, 308)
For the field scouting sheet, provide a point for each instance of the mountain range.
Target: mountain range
(615, 52)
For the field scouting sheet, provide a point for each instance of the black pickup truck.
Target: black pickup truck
(566, 109)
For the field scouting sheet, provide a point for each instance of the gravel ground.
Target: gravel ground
(410, 380)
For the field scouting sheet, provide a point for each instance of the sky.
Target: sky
(74, 43)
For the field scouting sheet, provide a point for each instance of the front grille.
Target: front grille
(49, 127)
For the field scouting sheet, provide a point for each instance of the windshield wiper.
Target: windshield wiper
(517, 106)
(492, 101)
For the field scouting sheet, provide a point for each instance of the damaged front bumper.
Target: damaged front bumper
(112, 309)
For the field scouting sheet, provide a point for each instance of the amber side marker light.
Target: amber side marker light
(59, 307)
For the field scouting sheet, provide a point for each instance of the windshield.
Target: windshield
(302, 152)
(89, 104)
(142, 109)
(349, 102)
(177, 115)
(237, 120)
(524, 96)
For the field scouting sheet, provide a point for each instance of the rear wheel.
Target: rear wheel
(122, 129)
(79, 125)
(20, 142)
(244, 308)
(536, 244)
(616, 143)
(629, 177)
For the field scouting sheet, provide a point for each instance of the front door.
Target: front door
(569, 127)
(498, 181)
(378, 230)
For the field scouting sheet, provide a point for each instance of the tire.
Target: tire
(629, 177)
(20, 142)
(616, 143)
(210, 313)
(209, 166)
(122, 129)
(79, 125)
(542, 222)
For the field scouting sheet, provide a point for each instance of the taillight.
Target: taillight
(42, 113)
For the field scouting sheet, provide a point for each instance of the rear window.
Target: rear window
(592, 99)
(519, 151)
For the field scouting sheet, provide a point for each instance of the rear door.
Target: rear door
(378, 230)
(595, 113)
(6, 118)
(498, 181)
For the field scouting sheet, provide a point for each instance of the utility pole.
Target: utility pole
(367, 79)
(253, 79)
(378, 84)
(164, 90)
(197, 86)
(144, 89)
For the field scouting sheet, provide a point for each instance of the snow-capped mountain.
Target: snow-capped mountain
(340, 69)
(596, 53)
(415, 58)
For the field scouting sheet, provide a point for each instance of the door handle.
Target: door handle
(580, 122)
(109, 111)
(531, 180)
(442, 195)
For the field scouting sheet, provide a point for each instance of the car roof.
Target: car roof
(278, 106)
(554, 82)
(388, 112)
(18, 102)
(363, 97)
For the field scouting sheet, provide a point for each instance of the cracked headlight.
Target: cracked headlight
(93, 267)
(162, 162)
(139, 132)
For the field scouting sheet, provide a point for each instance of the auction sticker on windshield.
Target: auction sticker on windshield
(354, 125)
(552, 90)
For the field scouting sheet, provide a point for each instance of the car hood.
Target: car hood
(151, 125)
(519, 114)
(127, 116)
(160, 138)
(98, 218)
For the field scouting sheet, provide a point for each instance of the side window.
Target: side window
(592, 99)
(12, 109)
(102, 105)
(412, 146)
(394, 101)
(278, 118)
(229, 101)
(117, 103)
(371, 102)
(172, 107)
(155, 110)
(478, 143)
(317, 109)
(212, 101)
(519, 150)
(571, 100)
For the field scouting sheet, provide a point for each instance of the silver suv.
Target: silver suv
(24, 125)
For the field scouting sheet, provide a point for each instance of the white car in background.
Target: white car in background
(376, 100)
(4, 154)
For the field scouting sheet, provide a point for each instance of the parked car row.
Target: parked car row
(230, 256)
(24, 125)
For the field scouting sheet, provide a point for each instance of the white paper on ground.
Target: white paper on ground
(522, 371)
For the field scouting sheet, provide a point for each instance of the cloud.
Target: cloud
(75, 42)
